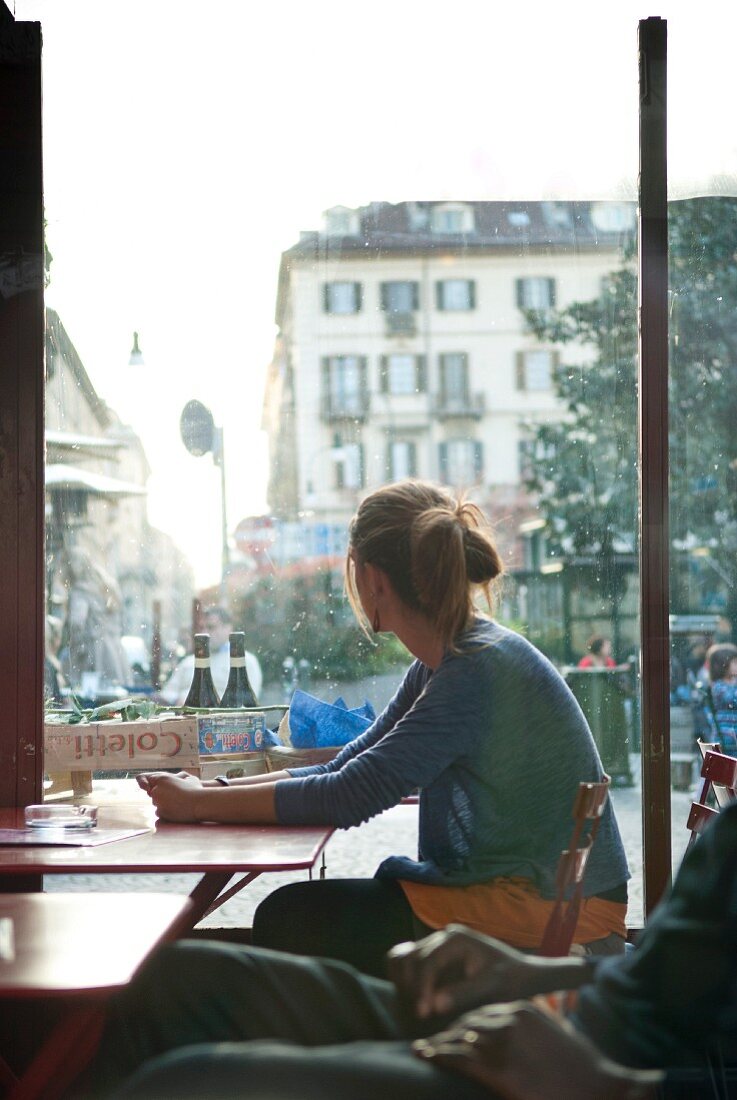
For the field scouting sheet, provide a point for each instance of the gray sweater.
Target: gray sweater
(497, 744)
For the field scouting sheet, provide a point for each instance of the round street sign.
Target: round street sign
(197, 428)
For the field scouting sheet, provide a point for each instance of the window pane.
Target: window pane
(455, 294)
(702, 184)
(401, 460)
(399, 297)
(455, 376)
(342, 297)
(538, 370)
(537, 293)
(307, 422)
(402, 374)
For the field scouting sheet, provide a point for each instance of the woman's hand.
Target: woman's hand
(148, 780)
(523, 1052)
(182, 798)
(457, 969)
(176, 797)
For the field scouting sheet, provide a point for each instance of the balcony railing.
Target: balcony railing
(467, 405)
(349, 407)
(401, 324)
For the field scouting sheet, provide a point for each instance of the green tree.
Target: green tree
(584, 467)
(306, 616)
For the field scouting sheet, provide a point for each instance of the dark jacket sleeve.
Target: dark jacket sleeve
(663, 1003)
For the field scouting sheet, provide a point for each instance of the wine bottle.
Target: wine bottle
(202, 691)
(238, 691)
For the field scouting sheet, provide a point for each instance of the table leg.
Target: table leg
(205, 893)
(227, 894)
(62, 1057)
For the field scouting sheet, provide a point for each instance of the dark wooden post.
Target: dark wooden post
(21, 413)
(653, 462)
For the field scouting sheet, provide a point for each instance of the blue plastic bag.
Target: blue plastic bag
(314, 724)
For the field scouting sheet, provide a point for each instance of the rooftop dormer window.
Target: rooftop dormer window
(613, 217)
(518, 218)
(341, 221)
(450, 218)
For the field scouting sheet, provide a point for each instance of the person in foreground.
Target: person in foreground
(482, 724)
(456, 1021)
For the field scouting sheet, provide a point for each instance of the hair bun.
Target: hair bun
(483, 563)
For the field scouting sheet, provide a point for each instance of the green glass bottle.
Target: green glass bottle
(202, 693)
(238, 691)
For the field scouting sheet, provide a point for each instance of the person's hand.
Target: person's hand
(457, 968)
(524, 1052)
(148, 780)
(175, 796)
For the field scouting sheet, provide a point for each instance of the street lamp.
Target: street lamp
(136, 359)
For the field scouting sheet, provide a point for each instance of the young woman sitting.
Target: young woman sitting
(482, 724)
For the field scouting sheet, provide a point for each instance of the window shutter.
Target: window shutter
(412, 459)
(415, 296)
(466, 388)
(363, 374)
(357, 297)
(384, 296)
(551, 293)
(478, 460)
(520, 370)
(361, 466)
(339, 466)
(520, 290)
(326, 297)
(439, 296)
(421, 373)
(443, 385)
(325, 363)
(384, 374)
(443, 462)
(472, 294)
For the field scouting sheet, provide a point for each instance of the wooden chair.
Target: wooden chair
(588, 808)
(723, 793)
(719, 775)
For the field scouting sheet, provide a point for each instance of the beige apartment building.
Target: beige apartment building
(405, 348)
(105, 563)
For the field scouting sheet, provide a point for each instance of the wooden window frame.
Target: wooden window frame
(22, 434)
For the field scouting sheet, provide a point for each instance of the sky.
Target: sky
(187, 144)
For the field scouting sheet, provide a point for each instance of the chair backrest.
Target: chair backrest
(588, 808)
(719, 773)
(719, 779)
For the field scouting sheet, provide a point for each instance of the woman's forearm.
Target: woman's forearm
(250, 780)
(252, 804)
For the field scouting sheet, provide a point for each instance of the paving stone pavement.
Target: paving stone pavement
(357, 852)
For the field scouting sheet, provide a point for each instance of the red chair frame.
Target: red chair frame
(561, 927)
(719, 775)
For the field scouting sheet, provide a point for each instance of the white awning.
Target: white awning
(74, 442)
(60, 477)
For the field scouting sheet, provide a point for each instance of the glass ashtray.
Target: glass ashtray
(61, 817)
